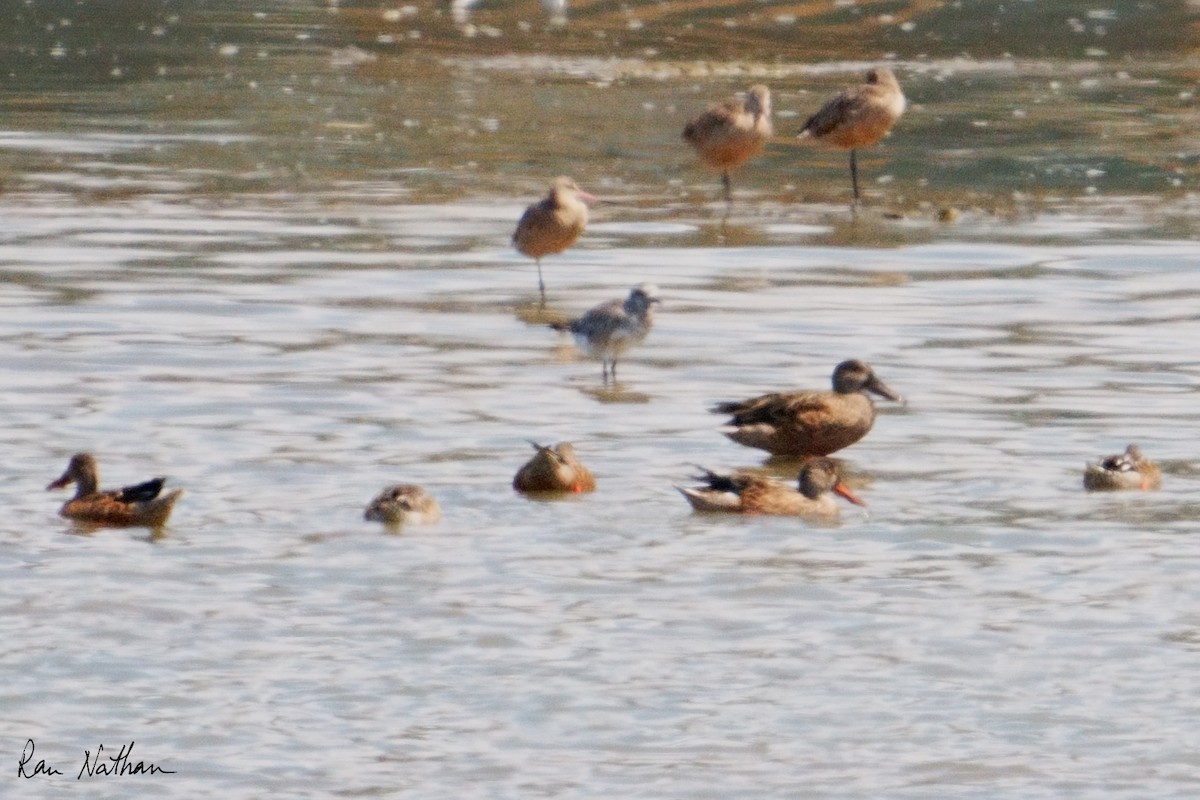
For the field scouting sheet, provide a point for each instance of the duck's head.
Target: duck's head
(80, 470)
(821, 475)
(856, 376)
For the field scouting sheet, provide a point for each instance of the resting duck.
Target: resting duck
(140, 505)
(554, 469)
(812, 423)
(1128, 470)
(749, 493)
(403, 503)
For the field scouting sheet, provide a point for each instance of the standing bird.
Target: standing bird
(611, 328)
(552, 224)
(809, 423)
(748, 493)
(728, 134)
(554, 469)
(1128, 470)
(137, 505)
(401, 503)
(858, 117)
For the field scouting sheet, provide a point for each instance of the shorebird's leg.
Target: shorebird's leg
(541, 285)
(854, 176)
(727, 185)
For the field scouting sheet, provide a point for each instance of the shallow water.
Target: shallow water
(277, 270)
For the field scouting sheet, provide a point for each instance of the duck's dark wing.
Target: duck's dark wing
(777, 408)
(141, 492)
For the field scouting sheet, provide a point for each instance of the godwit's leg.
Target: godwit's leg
(541, 285)
(854, 175)
(728, 186)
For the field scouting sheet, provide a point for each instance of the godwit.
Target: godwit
(748, 493)
(858, 117)
(140, 504)
(552, 224)
(729, 134)
(611, 328)
(809, 423)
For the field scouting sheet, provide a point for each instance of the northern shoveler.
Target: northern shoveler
(1128, 470)
(809, 423)
(142, 504)
(554, 469)
(750, 493)
(403, 503)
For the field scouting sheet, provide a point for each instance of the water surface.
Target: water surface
(265, 252)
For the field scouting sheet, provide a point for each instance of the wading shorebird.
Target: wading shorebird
(611, 328)
(552, 224)
(403, 503)
(554, 469)
(809, 423)
(140, 505)
(858, 117)
(748, 493)
(729, 134)
(1128, 470)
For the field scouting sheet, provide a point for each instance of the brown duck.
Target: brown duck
(1128, 470)
(552, 224)
(554, 469)
(813, 423)
(142, 504)
(403, 503)
(729, 134)
(749, 493)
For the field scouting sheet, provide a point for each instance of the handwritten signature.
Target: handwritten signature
(120, 764)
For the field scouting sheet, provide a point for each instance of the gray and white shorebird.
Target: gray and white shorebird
(611, 328)
(552, 224)
(729, 134)
(858, 116)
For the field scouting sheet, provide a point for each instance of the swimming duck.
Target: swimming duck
(749, 493)
(811, 423)
(729, 134)
(554, 469)
(403, 503)
(142, 504)
(1128, 470)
